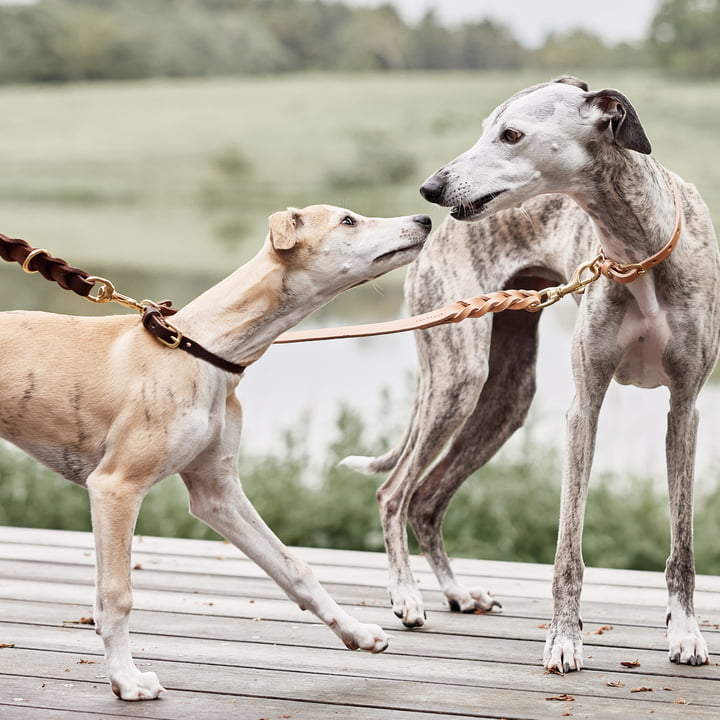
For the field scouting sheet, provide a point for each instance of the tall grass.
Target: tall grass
(506, 511)
(119, 173)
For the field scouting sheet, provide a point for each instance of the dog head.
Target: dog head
(334, 249)
(544, 139)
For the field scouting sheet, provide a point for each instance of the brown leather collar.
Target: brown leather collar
(627, 273)
(153, 318)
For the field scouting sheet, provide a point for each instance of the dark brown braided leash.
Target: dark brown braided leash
(37, 260)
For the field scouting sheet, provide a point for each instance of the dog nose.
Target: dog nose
(423, 220)
(432, 189)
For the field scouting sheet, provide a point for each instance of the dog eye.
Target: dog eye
(512, 136)
(347, 220)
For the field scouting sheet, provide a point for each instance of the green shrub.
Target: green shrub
(508, 510)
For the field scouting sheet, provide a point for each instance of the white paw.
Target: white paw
(407, 604)
(472, 600)
(361, 636)
(563, 649)
(686, 643)
(134, 685)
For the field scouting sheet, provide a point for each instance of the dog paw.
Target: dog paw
(472, 600)
(686, 643)
(563, 648)
(408, 606)
(371, 638)
(134, 685)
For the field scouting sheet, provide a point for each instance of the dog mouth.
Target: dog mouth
(392, 253)
(468, 210)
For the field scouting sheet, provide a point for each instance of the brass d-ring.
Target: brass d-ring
(31, 256)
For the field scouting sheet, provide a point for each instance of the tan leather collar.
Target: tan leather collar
(627, 273)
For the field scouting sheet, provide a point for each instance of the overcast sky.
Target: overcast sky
(532, 20)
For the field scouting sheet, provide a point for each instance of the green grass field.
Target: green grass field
(180, 175)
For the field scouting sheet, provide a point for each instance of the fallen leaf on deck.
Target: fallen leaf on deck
(630, 663)
(563, 697)
(615, 683)
(601, 630)
(641, 689)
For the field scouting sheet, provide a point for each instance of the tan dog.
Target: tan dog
(103, 403)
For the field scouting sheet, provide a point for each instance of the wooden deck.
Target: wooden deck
(227, 644)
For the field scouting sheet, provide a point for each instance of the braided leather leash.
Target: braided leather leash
(154, 314)
(72, 278)
(530, 300)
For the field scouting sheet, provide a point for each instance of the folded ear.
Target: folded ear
(283, 230)
(620, 116)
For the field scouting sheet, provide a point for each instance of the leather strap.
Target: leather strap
(456, 312)
(627, 273)
(155, 323)
(51, 268)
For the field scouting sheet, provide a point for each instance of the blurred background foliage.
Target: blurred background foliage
(70, 40)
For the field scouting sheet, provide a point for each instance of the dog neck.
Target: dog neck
(239, 317)
(632, 207)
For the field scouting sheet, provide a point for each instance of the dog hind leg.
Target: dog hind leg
(115, 504)
(447, 394)
(501, 409)
(217, 499)
(686, 644)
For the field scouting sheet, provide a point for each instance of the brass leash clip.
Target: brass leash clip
(577, 283)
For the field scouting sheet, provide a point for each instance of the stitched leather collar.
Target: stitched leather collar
(155, 323)
(627, 273)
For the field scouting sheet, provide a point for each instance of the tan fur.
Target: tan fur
(104, 404)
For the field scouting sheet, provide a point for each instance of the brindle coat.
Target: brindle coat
(476, 380)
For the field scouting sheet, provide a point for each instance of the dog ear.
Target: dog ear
(619, 115)
(570, 80)
(283, 229)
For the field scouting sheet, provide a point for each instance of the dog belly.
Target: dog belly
(644, 340)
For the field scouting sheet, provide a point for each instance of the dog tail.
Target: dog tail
(368, 465)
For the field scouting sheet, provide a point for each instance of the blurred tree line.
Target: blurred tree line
(68, 40)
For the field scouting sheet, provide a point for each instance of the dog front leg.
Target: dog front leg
(221, 503)
(114, 513)
(686, 643)
(563, 646)
(593, 367)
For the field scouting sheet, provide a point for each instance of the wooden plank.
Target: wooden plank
(49, 699)
(278, 629)
(600, 613)
(485, 570)
(344, 688)
(501, 664)
(223, 566)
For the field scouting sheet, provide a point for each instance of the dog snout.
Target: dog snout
(423, 220)
(432, 189)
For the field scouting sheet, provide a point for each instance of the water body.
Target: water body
(305, 383)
